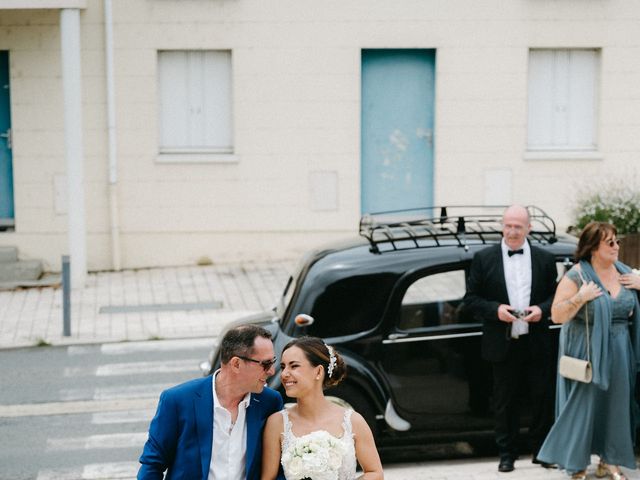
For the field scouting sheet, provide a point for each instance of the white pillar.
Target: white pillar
(72, 93)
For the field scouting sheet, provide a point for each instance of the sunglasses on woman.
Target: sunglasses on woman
(612, 242)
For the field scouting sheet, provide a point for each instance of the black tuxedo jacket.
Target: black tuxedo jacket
(486, 290)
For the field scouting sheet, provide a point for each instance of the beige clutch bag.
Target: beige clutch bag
(576, 368)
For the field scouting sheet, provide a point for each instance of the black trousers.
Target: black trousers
(522, 369)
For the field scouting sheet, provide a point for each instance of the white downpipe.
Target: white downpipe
(72, 95)
(114, 221)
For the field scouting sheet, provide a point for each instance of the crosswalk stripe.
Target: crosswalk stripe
(165, 366)
(94, 471)
(60, 474)
(125, 348)
(155, 346)
(127, 416)
(119, 470)
(136, 368)
(79, 371)
(80, 349)
(112, 393)
(93, 442)
(78, 407)
(131, 391)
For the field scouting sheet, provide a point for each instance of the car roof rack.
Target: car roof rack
(436, 226)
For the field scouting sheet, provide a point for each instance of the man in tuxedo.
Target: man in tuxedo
(211, 428)
(510, 289)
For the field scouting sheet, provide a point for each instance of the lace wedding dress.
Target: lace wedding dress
(347, 467)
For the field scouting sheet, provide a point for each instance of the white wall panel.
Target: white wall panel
(295, 92)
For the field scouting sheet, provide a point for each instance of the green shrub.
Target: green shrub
(619, 206)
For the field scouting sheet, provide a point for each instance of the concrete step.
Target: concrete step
(8, 254)
(46, 280)
(22, 270)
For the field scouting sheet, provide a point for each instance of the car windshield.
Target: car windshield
(287, 294)
(289, 289)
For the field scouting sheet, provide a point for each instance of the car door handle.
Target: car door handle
(395, 336)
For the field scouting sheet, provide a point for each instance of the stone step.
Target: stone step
(8, 254)
(22, 270)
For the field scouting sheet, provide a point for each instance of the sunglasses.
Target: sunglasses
(265, 364)
(611, 243)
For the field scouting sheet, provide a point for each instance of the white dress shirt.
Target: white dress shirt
(517, 276)
(229, 446)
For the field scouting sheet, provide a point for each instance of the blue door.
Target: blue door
(398, 88)
(6, 165)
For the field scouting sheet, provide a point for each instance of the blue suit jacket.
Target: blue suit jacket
(181, 433)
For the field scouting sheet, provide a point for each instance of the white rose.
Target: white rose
(315, 462)
(296, 467)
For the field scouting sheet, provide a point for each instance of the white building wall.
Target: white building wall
(296, 95)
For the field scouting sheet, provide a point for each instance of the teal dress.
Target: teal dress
(598, 417)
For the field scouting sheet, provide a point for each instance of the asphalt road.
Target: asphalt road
(63, 409)
(82, 413)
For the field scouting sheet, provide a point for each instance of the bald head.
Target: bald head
(515, 226)
(517, 211)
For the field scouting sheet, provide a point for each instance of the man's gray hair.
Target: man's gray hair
(239, 341)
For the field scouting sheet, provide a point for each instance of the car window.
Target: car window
(562, 268)
(350, 305)
(433, 301)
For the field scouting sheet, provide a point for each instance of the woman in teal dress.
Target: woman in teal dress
(597, 417)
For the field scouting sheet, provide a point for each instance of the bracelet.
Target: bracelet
(578, 298)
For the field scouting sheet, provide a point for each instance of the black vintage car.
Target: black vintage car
(391, 301)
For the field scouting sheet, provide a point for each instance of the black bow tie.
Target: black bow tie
(511, 253)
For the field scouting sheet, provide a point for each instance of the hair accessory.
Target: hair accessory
(332, 360)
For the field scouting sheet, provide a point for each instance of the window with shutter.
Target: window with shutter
(195, 104)
(563, 100)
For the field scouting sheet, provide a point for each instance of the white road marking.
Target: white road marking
(93, 442)
(124, 348)
(94, 471)
(79, 371)
(131, 391)
(112, 393)
(79, 407)
(155, 346)
(136, 368)
(127, 416)
(97, 471)
(80, 349)
(133, 368)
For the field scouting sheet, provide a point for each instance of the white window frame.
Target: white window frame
(563, 104)
(195, 106)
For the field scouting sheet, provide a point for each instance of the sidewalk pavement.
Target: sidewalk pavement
(157, 303)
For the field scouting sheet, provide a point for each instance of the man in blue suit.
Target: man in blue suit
(211, 428)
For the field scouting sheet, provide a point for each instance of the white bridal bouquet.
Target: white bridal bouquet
(317, 456)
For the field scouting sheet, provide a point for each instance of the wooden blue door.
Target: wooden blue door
(398, 88)
(6, 165)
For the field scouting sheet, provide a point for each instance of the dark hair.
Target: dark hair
(592, 234)
(317, 353)
(240, 341)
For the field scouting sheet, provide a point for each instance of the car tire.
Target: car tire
(349, 396)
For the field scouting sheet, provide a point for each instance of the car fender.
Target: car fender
(367, 381)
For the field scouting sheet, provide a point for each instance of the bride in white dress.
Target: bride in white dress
(341, 438)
